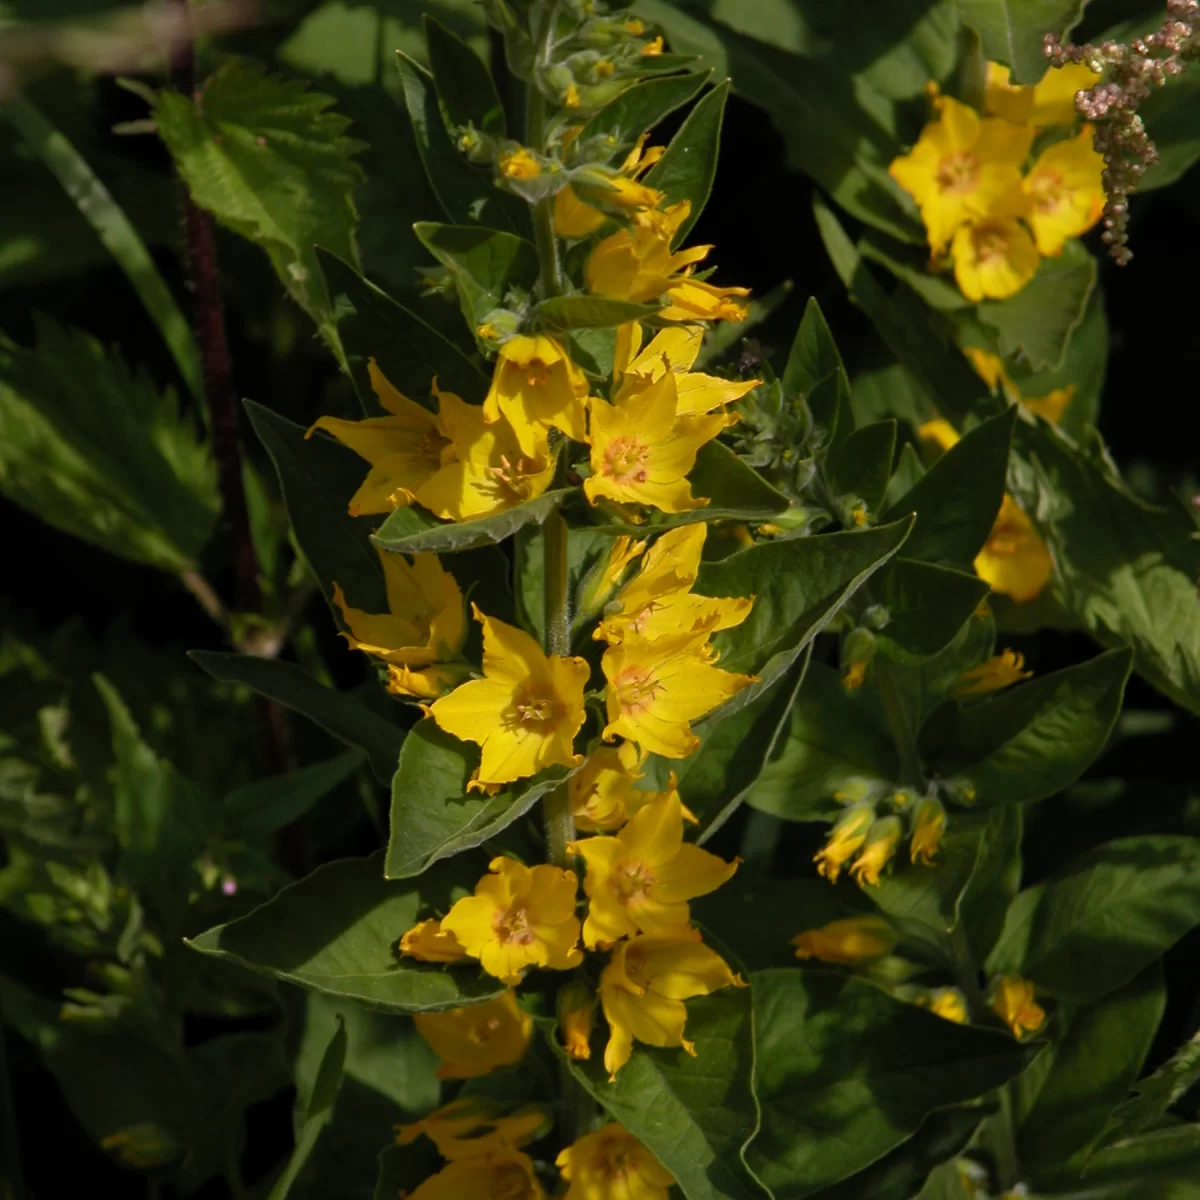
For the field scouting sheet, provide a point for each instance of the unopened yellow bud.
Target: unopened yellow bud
(929, 827)
(518, 164)
(653, 49)
(577, 1018)
(877, 852)
(847, 941)
(604, 68)
(143, 1147)
(1013, 1003)
(999, 672)
(948, 1003)
(845, 839)
(571, 99)
(854, 676)
(635, 26)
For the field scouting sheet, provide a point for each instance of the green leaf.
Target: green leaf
(1037, 323)
(270, 161)
(1090, 1067)
(861, 463)
(1161, 1165)
(336, 930)
(465, 192)
(256, 810)
(433, 813)
(1124, 569)
(1012, 31)
(409, 351)
(318, 476)
(590, 312)
(798, 586)
(1103, 917)
(927, 605)
(641, 107)
(813, 357)
(413, 529)
(465, 91)
(832, 735)
(1155, 1094)
(486, 264)
(96, 450)
(957, 499)
(994, 883)
(338, 714)
(861, 1076)
(316, 1112)
(1033, 740)
(689, 164)
(694, 1114)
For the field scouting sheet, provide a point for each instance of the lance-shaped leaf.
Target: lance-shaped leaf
(694, 1114)
(465, 91)
(813, 357)
(590, 312)
(1033, 740)
(957, 499)
(798, 586)
(338, 714)
(256, 810)
(927, 607)
(641, 107)
(689, 164)
(860, 464)
(269, 160)
(433, 813)
(1155, 1094)
(336, 930)
(1103, 917)
(1125, 569)
(845, 1072)
(410, 352)
(1012, 31)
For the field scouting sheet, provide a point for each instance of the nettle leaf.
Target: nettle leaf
(957, 499)
(335, 931)
(1012, 31)
(845, 1073)
(1155, 1094)
(832, 735)
(927, 605)
(433, 813)
(337, 713)
(410, 352)
(465, 192)
(1088, 1070)
(255, 810)
(98, 451)
(590, 312)
(689, 164)
(641, 107)
(798, 586)
(1124, 569)
(1037, 323)
(412, 529)
(484, 263)
(861, 463)
(317, 477)
(1103, 917)
(1033, 740)
(694, 1114)
(270, 161)
(466, 93)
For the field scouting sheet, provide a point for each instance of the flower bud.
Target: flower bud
(948, 1003)
(929, 827)
(576, 1018)
(847, 941)
(877, 851)
(858, 649)
(847, 836)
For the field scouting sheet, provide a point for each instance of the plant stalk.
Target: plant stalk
(912, 772)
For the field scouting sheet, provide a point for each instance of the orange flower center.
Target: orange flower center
(512, 475)
(509, 1182)
(636, 689)
(536, 373)
(1046, 190)
(632, 881)
(1006, 539)
(483, 1031)
(512, 926)
(991, 244)
(536, 709)
(958, 173)
(625, 460)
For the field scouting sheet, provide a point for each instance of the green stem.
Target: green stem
(556, 808)
(550, 265)
(912, 772)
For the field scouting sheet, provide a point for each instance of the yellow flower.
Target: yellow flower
(641, 880)
(849, 940)
(606, 576)
(524, 712)
(519, 917)
(1051, 406)
(469, 1127)
(658, 599)
(1014, 561)
(1050, 102)
(948, 1003)
(576, 1018)
(475, 1040)
(854, 676)
(653, 48)
(999, 672)
(928, 830)
(1065, 194)
(428, 942)
(990, 368)
(845, 838)
(571, 97)
(611, 1164)
(644, 985)
(635, 27)
(656, 689)
(636, 263)
(877, 852)
(518, 163)
(602, 792)
(537, 387)
(503, 1174)
(993, 258)
(424, 625)
(962, 169)
(1013, 1003)
(404, 449)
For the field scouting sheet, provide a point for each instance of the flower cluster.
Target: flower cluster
(980, 205)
